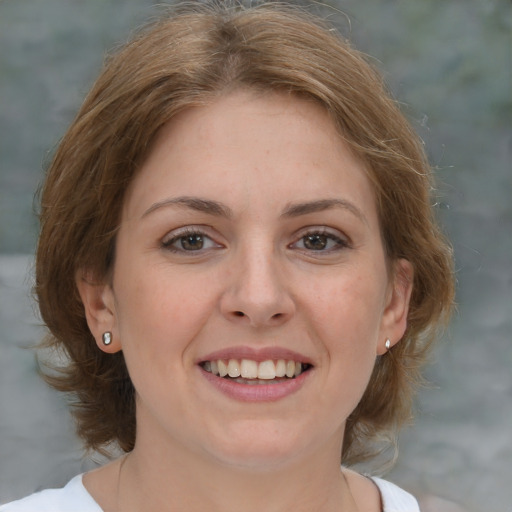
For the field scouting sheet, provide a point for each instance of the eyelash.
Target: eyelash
(183, 235)
(340, 243)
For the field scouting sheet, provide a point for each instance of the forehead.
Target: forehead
(251, 148)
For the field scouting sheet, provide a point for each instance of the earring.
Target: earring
(387, 344)
(107, 338)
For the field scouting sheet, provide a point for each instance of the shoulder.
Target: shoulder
(73, 497)
(395, 499)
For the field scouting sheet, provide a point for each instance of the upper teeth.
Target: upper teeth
(249, 369)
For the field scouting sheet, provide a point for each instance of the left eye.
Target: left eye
(320, 242)
(189, 242)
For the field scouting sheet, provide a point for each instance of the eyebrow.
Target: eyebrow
(215, 208)
(298, 209)
(194, 203)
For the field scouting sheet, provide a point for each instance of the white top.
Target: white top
(394, 499)
(74, 497)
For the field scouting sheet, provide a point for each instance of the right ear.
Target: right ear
(99, 305)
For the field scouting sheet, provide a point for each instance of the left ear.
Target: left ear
(394, 319)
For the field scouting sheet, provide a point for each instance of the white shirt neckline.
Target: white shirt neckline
(394, 499)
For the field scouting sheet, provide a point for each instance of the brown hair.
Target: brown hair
(187, 58)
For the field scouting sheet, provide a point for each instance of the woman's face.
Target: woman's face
(250, 243)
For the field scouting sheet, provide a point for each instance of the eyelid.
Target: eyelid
(323, 230)
(172, 236)
(343, 241)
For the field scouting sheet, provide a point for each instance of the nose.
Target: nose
(257, 291)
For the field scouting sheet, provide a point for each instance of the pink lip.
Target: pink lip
(256, 392)
(258, 355)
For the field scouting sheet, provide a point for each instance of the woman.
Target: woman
(239, 258)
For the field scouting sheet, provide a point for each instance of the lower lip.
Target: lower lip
(256, 392)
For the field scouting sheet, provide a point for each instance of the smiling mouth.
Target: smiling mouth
(247, 371)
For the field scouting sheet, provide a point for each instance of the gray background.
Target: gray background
(449, 64)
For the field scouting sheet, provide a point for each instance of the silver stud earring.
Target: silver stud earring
(387, 344)
(107, 338)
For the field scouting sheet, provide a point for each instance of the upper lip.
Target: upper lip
(256, 354)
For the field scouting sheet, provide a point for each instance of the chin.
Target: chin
(259, 449)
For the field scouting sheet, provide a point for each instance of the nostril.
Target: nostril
(239, 313)
(277, 315)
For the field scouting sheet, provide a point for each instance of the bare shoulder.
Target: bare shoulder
(364, 491)
(100, 482)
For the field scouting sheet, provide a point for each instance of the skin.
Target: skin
(256, 282)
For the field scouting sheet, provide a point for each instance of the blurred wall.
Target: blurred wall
(449, 64)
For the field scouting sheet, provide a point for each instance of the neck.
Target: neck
(153, 480)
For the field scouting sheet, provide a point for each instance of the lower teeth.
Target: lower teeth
(252, 382)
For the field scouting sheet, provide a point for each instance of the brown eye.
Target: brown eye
(191, 242)
(315, 242)
(187, 242)
(323, 242)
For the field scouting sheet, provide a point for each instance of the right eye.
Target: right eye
(188, 240)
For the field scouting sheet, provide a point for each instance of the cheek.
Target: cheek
(159, 313)
(345, 314)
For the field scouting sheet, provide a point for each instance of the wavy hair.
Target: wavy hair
(188, 57)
